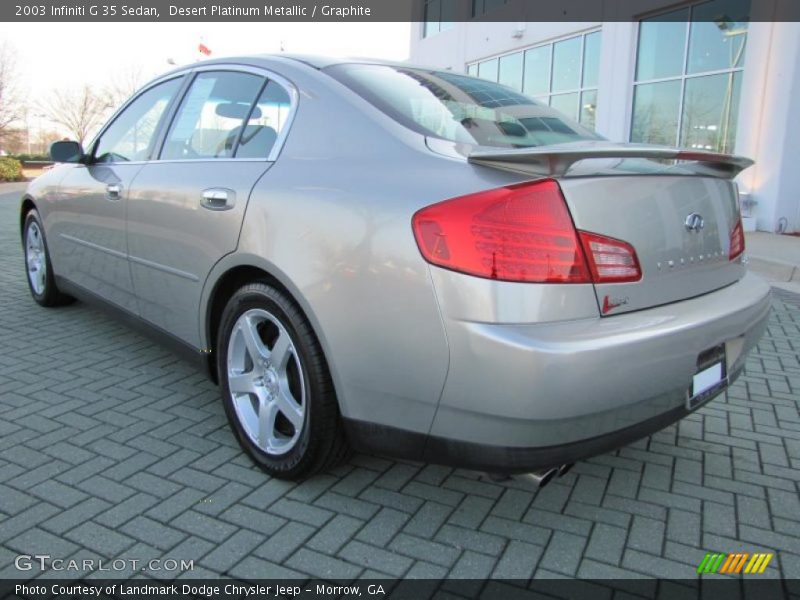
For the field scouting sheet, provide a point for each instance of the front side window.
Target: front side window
(132, 134)
(563, 74)
(211, 116)
(459, 108)
(689, 66)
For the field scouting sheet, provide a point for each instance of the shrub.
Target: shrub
(10, 169)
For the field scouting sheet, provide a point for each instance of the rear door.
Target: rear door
(89, 228)
(185, 209)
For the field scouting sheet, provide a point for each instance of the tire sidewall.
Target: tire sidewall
(263, 297)
(48, 295)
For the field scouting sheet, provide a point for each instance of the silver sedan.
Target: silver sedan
(403, 260)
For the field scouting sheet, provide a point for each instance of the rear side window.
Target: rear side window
(459, 108)
(211, 116)
(267, 120)
(132, 134)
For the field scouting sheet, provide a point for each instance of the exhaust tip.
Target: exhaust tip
(565, 468)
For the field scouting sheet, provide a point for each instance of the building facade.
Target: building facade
(697, 75)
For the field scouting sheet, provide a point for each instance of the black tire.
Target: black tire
(322, 443)
(50, 295)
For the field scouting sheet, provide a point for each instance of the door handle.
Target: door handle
(218, 199)
(113, 191)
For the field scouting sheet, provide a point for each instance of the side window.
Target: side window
(210, 119)
(132, 134)
(266, 121)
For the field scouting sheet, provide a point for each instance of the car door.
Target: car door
(185, 209)
(89, 228)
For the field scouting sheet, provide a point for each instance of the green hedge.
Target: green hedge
(27, 157)
(10, 169)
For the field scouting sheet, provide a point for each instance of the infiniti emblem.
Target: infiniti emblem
(694, 222)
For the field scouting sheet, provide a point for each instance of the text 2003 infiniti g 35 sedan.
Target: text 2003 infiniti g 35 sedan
(404, 260)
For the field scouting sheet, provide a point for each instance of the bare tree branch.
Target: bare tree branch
(12, 101)
(124, 82)
(79, 111)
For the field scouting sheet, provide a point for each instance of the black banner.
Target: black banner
(369, 10)
(412, 589)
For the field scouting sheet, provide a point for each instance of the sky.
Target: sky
(56, 56)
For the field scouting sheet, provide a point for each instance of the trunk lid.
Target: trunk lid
(678, 217)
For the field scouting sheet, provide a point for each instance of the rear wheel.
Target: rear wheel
(276, 387)
(38, 268)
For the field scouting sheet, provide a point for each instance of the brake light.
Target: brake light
(610, 260)
(737, 240)
(521, 233)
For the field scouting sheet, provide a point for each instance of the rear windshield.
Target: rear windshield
(459, 108)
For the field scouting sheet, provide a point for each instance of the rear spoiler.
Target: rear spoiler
(555, 161)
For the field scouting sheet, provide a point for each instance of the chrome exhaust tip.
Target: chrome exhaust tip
(565, 468)
(541, 478)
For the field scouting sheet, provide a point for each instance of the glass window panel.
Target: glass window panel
(710, 108)
(537, 70)
(588, 108)
(433, 12)
(567, 64)
(265, 123)
(209, 120)
(472, 70)
(566, 103)
(661, 46)
(510, 71)
(718, 35)
(655, 112)
(132, 134)
(488, 70)
(591, 59)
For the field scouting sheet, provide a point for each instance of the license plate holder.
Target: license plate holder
(710, 378)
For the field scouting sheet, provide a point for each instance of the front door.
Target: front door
(185, 210)
(89, 233)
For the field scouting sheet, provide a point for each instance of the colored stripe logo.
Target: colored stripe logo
(734, 563)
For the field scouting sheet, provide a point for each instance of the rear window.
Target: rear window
(459, 108)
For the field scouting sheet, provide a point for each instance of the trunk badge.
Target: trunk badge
(611, 304)
(694, 222)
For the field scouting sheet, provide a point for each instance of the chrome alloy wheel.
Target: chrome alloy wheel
(265, 378)
(35, 258)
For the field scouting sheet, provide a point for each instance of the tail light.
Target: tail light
(610, 260)
(521, 233)
(737, 241)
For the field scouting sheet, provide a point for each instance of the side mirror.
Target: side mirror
(66, 152)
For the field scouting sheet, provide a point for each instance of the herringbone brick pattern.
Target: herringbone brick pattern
(112, 447)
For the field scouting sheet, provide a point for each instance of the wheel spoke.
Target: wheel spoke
(267, 413)
(255, 347)
(243, 383)
(289, 407)
(40, 278)
(281, 352)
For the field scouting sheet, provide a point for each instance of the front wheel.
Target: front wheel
(276, 386)
(41, 280)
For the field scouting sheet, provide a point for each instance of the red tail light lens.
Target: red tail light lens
(610, 260)
(737, 241)
(520, 233)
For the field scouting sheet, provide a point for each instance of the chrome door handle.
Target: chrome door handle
(113, 191)
(218, 199)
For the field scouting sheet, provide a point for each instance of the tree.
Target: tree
(79, 111)
(12, 102)
(124, 82)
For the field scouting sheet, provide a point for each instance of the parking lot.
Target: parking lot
(111, 447)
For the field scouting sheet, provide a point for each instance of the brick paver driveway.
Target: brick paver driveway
(112, 447)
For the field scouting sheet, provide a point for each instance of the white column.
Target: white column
(769, 124)
(615, 82)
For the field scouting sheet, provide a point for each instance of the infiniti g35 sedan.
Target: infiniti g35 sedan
(404, 261)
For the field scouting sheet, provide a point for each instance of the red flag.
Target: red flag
(203, 49)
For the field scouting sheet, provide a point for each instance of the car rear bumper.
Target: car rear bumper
(525, 396)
